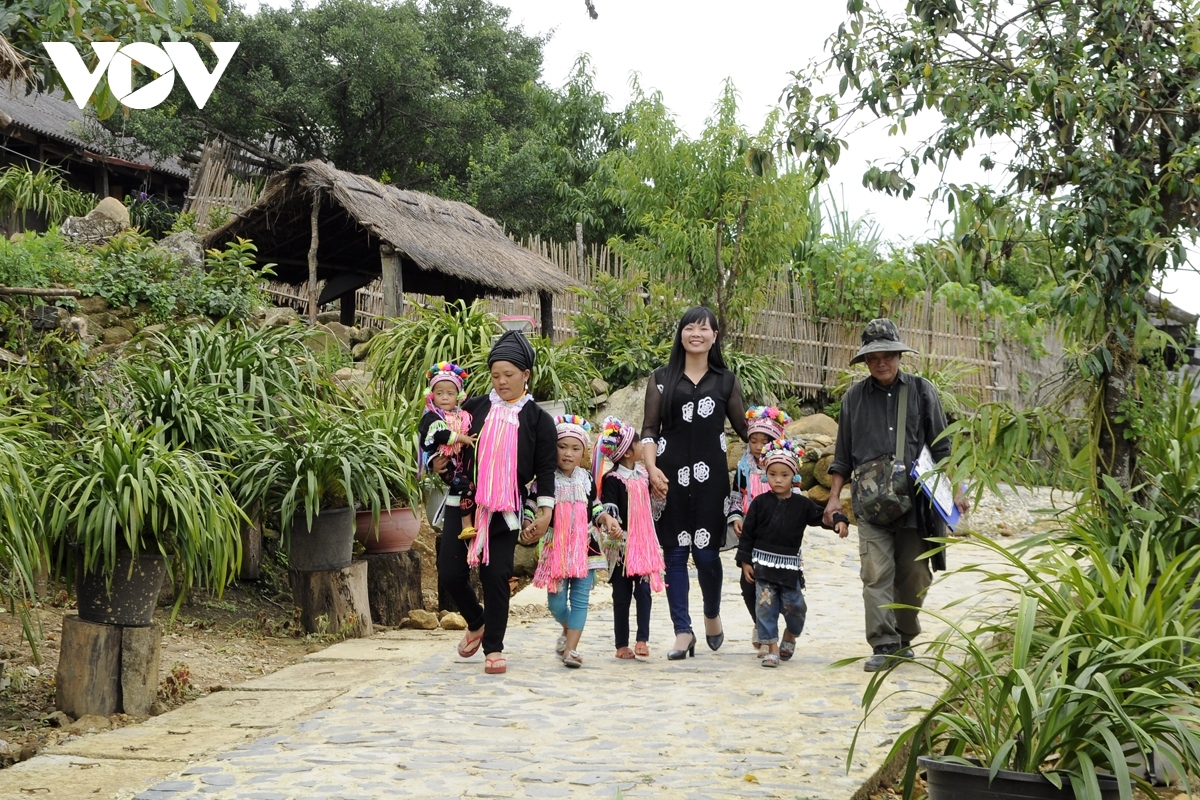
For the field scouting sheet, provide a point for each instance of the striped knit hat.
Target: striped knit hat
(446, 371)
(614, 441)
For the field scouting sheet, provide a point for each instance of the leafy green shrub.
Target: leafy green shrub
(563, 372)
(150, 215)
(629, 335)
(763, 378)
(24, 192)
(232, 285)
(119, 488)
(127, 270)
(38, 260)
(948, 380)
(454, 332)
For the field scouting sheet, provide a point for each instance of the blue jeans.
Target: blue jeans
(708, 574)
(774, 600)
(576, 592)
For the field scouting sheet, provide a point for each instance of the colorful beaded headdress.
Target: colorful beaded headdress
(614, 441)
(767, 419)
(446, 371)
(573, 425)
(782, 451)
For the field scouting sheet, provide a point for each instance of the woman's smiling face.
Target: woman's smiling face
(698, 337)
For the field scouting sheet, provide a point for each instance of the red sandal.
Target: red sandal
(642, 650)
(624, 653)
(469, 645)
(495, 666)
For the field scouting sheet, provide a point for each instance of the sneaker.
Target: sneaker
(885, 655)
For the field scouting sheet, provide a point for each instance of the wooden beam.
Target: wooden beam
(315, 220)
(392, 283)
(10, 290)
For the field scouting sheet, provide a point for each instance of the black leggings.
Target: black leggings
(456, 577)
(626, 589)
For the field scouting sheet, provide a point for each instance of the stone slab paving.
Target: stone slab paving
(400, 715)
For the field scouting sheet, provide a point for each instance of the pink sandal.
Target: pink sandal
(469, 645)
(642, 650)
(495, 666)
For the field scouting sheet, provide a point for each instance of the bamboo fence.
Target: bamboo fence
(816, 350)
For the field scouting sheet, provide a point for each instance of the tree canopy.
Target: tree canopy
(1100, 102)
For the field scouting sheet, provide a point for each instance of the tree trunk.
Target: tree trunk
(139, 669)
(333, 601)
(1115, 457)
(89, 669)
(393, 586)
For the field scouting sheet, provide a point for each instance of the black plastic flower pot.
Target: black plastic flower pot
(327, 545)
(129, 599)
(947, 780)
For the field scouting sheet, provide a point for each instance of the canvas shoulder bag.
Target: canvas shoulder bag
(880, 488)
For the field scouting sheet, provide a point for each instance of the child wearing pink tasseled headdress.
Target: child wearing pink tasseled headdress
(570, 552)
(635, 560)
(445, 431)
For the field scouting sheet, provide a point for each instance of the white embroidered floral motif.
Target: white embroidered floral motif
(700, 470)
(662, 445)
(687, 411)
(685, 476)
(702, 537)
(685, 539)
(724, 444)
(706, 407)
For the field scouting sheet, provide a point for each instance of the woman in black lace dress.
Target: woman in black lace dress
(687, 403)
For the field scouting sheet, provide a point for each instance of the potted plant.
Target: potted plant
(319, 464)
(396, 528)
(1086, 671)
(124, 508)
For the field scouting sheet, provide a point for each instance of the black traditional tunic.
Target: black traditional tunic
(691, 453)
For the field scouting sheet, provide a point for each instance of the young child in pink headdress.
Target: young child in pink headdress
(764, 424)
(445, 431)
(570, 553)
(635, 567)
(769, 550)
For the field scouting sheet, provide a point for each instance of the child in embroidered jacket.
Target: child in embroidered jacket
(635, 562)
(769, 551)
(445, 430)
(765, 424)
(570, 553)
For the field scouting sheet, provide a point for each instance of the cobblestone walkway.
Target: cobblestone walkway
(401, 716)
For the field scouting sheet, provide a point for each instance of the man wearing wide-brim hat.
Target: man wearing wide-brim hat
(893, 520)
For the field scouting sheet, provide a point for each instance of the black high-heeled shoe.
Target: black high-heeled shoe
(679, 655)
(716, 640)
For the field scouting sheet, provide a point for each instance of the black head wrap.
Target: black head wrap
(514, 348)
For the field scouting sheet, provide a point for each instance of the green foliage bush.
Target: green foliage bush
(563, 372)
(626, 325)
(36, 260)
(150, 215)
(44, 193)
(763, 378)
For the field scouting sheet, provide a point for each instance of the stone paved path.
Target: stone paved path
(400, 715)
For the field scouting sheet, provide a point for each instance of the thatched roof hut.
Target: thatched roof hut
(364, 230)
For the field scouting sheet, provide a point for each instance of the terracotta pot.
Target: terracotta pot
(398, 529)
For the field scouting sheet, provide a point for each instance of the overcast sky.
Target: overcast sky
(686, 50)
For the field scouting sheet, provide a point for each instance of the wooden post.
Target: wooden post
(579, 253)
(89, 668)
(333, 601)
(546, 301)
(139, 669)
(312, 258)
(393, 586)
(392, 283)
(349, 302)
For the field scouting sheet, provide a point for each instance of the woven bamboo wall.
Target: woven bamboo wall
(816, 349)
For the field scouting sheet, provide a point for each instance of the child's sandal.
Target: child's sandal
(770, 660)
(787, 649)
(624, 653)
(572, 659)
(642, 650)
(560, 646)
(468, 532)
